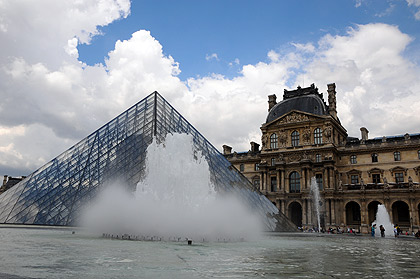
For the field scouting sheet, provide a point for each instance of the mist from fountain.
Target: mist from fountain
(316, 199)
(382, 218)
(175, 200)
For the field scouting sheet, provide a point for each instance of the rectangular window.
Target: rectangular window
(397, 156)
(376, 178)
(374, 158)
(241, 167)
(273, 161)
(295, 138)
(354, 179)
(257, 167)
(319, 181)
(353, 159)
(318, 158)
(399, 177)
(318, 136)
(273, 141)
(273, 184)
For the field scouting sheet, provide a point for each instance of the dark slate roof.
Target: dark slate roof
(302, 99)
(352, 141)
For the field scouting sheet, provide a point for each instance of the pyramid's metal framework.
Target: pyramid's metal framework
(53, 194)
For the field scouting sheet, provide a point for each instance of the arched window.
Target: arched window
(295, 138)
(318, 136)
(273, 141)
(294, 182)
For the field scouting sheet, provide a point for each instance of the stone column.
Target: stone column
(309, 202)
(327, 212)
(282, 207)
(284, 181)
(333, 221)
(303, 172)
(413, 215)
(331, 181)
(267, 182)
(343, 213)
(364, 227)
(262, 182)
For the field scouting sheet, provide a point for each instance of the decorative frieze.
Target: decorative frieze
(293, 118)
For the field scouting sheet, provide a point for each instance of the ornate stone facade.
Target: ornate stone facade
(303, 138)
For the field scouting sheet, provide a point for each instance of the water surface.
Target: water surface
(55, 253)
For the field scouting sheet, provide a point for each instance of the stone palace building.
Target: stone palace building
(303, 140)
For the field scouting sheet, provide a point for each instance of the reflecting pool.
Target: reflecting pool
(58, 253)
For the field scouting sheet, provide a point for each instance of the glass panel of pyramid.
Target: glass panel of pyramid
(53, 194)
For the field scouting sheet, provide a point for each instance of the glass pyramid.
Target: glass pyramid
(53, 194)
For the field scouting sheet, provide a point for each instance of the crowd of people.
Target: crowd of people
(331, 230)
(397, 231)
(337, 230)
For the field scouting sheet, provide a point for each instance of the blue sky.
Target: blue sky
(68, 67)
(245, 30)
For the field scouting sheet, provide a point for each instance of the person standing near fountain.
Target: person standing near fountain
(373, 230)
(382, 229)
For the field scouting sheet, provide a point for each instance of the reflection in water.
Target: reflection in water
(32, 253)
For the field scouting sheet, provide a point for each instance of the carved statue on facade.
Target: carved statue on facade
(340, 185)
(386, 185)
(282, 138)
(328, 133)
(306, 135)
(264, 141)
(410, 182)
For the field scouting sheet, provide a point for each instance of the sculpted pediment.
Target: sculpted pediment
(294, 117)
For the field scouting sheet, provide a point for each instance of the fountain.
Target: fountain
(175, 200)
(316, 199)
(382, 218)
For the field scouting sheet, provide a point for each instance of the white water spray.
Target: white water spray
(316, 199)
(175, 200)
(382, 218)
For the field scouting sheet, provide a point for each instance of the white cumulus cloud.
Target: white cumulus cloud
(51, 100)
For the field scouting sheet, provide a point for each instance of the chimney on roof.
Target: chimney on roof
(227, 149)
(332, 101)
(255, 147)
(272, 101)
(5, 180)
(365, 133)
